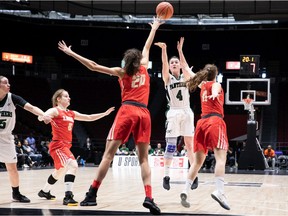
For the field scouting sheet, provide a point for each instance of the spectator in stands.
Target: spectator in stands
(231, 157)
(150, 150)
(118, 152)
(133, 117)
(88, 149)
(134, 152)
(64, 161)
(20, 154)
(24, 160)
(159, 151)
(31, 153)
(46, 157)
(270, 156)
(183, 151)
(32, 142)
(124, 149)
(209, 162)
(180, 143)
(16, 138)
(176, 154)
(8, 103)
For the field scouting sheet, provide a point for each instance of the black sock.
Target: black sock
(15, 190)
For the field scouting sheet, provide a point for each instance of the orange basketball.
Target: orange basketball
(164, 10)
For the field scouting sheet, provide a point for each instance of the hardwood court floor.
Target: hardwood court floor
(122, 193)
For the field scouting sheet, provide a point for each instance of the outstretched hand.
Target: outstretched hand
(111, 109)
(45, 118)
(63, 47)
(160, 44)
(156, 23)
(180, 44)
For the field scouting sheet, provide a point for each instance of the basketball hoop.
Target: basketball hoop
(248, 104)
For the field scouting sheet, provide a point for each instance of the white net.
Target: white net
(248, 104)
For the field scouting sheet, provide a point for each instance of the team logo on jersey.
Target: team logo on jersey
(5, 114)
(177, 85)
(68, 118)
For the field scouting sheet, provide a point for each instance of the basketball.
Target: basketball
(164, 10)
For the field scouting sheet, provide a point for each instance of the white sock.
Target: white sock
(188, 184)
(166, 170)
(47, 187)
(68, 186)
(219, 182)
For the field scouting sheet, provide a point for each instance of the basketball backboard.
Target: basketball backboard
(257, 89)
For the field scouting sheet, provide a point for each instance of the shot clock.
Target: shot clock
(249, 65)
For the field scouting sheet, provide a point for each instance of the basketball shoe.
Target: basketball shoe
(166, 182)
(90, 198)
(47, 195)
(153, 208)
(221, 199)
(20, 198)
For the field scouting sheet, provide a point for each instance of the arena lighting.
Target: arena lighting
(19, 58)
(200, 19)
(23, 2)
(219, 78)
(263, 73)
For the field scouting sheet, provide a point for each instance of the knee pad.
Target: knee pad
(57, 174)
(72, 167)
(170, 147)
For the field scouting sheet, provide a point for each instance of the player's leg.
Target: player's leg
(192, 174)
(110, 151)
(146, 178)
(171, 145)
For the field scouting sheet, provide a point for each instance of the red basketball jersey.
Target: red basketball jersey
(136, 87)
(62, 129)
(208, 105)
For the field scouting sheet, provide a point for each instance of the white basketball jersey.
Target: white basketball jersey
(177, 93)
(7, 116)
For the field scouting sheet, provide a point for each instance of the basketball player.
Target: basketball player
(8, 103)
(180, 117)
(64, 161)
(210, 132)
(132, 117)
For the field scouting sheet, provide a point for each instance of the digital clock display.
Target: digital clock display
(249, 58)
(249, 65)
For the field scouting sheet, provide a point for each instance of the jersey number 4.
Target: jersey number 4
(179, 95)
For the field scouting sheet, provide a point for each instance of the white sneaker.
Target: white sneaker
(184, 202)
(221, 199)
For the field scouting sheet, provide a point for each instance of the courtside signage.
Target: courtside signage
(232, 65)
(154, 161)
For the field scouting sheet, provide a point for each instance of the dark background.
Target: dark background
(93, 92)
